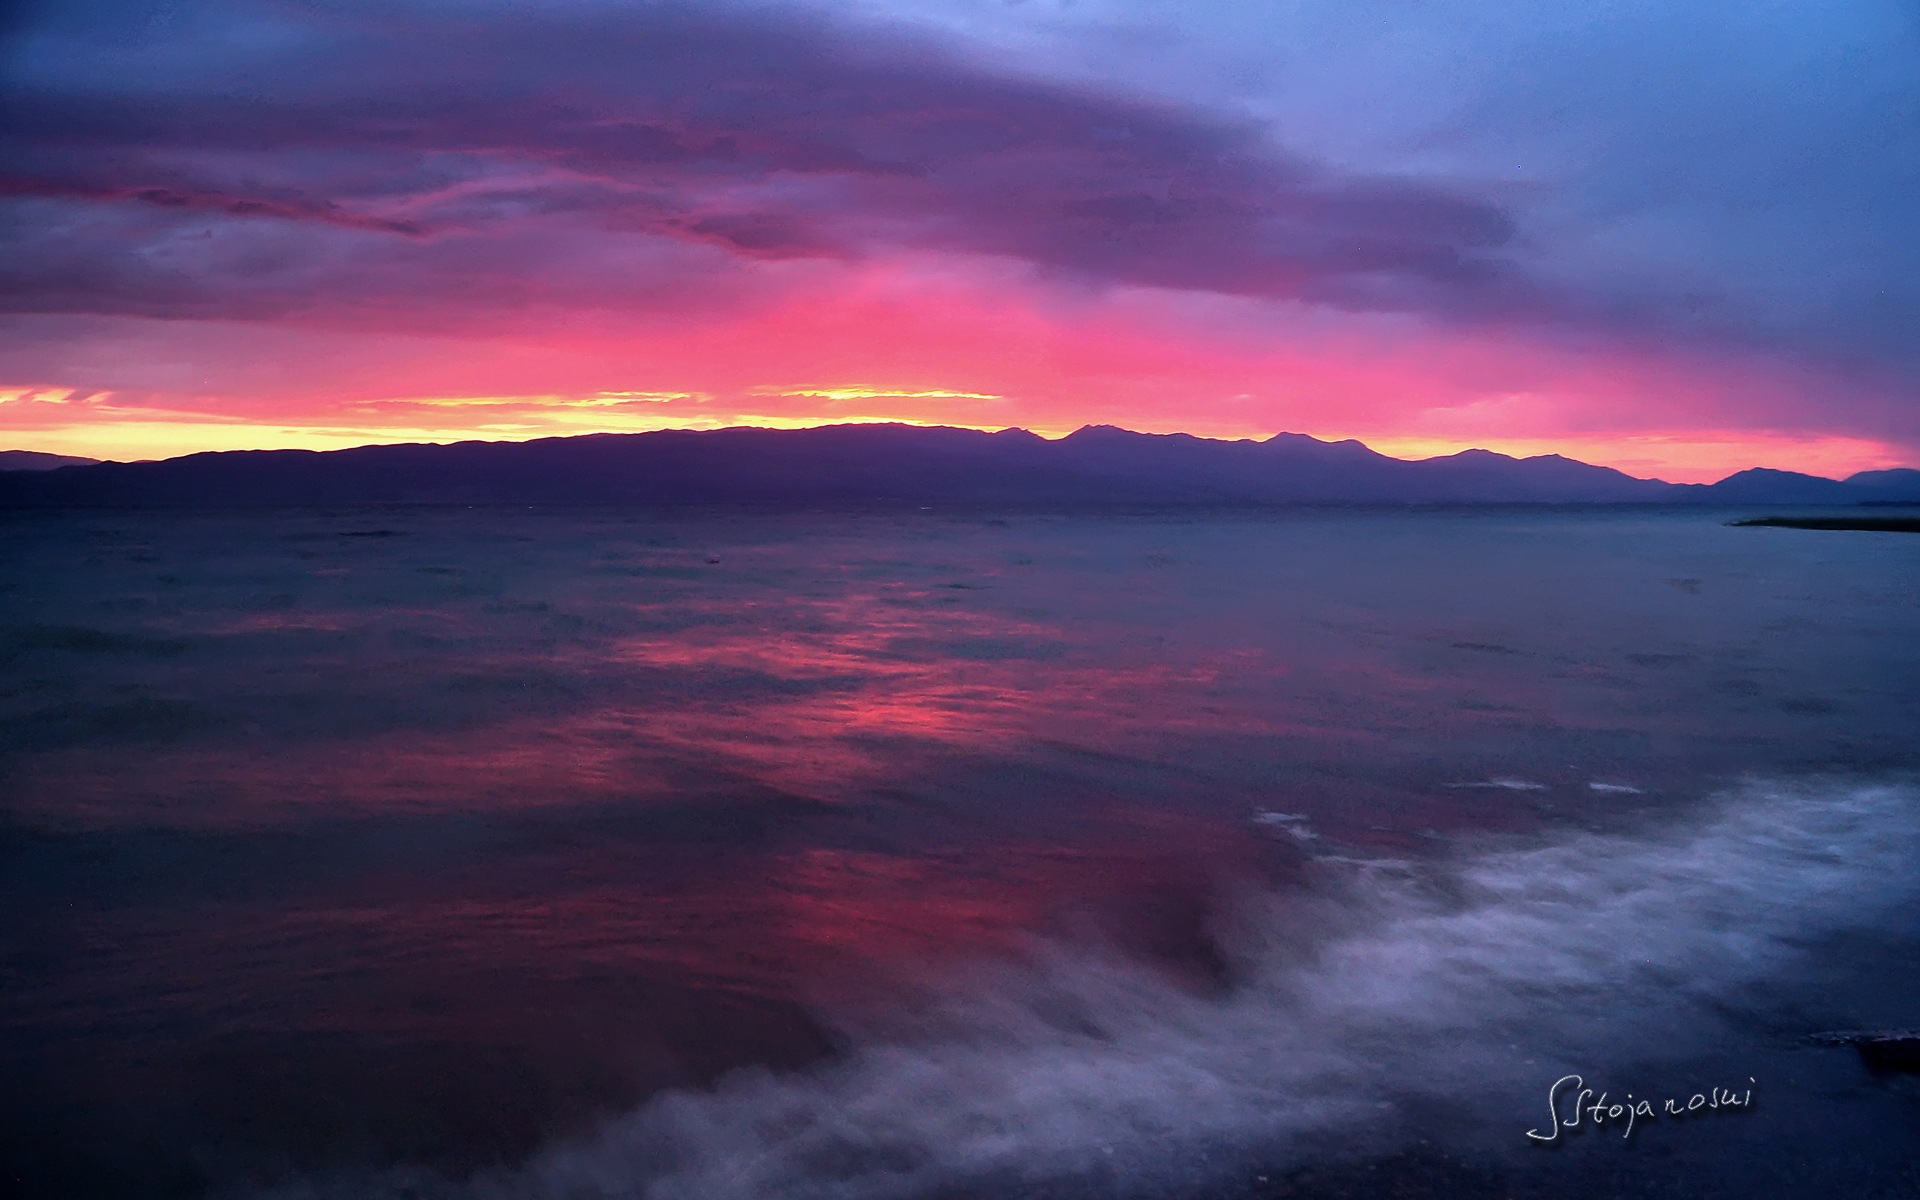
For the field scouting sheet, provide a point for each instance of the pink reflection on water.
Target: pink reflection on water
(253, 782)
(890, 912)
(462, 947)
(851, 678)
(805, 918)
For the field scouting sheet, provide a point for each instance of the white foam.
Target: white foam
(1293, 825)
(1265, 817)
(1392, 978)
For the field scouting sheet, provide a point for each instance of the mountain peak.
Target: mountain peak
(1345, 450)
(1102, 433)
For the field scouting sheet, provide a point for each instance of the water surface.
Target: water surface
(530, 852)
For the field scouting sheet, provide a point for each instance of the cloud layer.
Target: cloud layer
(764, 135)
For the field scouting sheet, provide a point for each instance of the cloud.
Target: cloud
(767, 134)
(293, 208)
(1679, 170)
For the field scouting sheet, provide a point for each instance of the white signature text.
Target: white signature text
(1570, 1096)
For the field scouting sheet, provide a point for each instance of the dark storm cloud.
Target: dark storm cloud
(295, 208)
(770, 135)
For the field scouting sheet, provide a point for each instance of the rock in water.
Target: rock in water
(1880, 1049)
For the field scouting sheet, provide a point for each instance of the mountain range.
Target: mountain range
(34, 460)
(889, 463)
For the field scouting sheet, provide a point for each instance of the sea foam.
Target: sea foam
(1381, 983)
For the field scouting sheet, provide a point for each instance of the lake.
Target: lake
(543, 853)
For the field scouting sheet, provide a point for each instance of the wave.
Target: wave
(1381, 985)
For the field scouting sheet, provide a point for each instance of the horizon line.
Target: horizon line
(910, 424)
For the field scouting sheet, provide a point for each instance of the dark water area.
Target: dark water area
(574, 853)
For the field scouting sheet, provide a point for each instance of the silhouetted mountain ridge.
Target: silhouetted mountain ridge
(35, 460)
(1095, 465)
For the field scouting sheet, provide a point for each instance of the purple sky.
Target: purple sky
(1671, 236)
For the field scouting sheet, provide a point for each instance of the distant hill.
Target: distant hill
(1096, 465)
(33, 460)
(1905, 478)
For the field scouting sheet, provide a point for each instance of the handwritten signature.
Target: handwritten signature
(1600, 1110)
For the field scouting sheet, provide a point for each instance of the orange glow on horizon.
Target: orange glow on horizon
(968, 345)
(1690, 456)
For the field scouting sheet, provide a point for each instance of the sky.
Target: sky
(1670, 236)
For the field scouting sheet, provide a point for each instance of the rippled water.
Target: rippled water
(529, 853)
